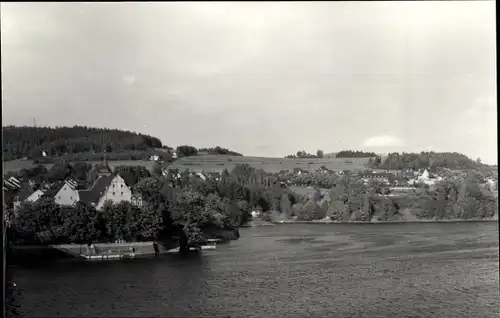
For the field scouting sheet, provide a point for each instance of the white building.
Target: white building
(107, 188)
(64, 193)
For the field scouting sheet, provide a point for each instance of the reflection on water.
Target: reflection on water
(404, 270)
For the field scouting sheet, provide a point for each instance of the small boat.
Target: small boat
(211, 244)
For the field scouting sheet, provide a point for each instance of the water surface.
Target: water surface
(290, 270)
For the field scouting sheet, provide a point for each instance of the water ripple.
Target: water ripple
(418, 270)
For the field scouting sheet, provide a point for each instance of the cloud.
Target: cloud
(383, 141)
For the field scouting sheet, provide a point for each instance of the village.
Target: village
(108, 185)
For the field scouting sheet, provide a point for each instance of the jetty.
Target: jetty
(111, 251)
(126, 250)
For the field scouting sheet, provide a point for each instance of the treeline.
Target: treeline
(354, 154)
(186, 151)
(219, 151)
(45, 222)
(303, 154)
(352, 200)
(195, 205)
(19, 142)
(425, 160)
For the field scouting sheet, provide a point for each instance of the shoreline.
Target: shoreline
(382, 222)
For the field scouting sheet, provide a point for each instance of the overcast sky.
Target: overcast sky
(264, 79)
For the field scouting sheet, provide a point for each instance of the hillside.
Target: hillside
(217, 163)
(29, 142)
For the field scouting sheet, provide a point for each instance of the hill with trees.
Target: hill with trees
(81, 143)
(19, 142)
(426, 160)
(218, 151)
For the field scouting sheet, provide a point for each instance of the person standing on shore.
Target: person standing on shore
(155, 247)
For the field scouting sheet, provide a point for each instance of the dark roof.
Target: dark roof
(25, 192)
(93, 195)
(72, 183)
(12, 184)
(52, 191)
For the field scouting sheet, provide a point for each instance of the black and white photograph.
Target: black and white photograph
(250, 159)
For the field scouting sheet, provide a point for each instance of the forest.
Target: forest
(80, 143)
(354, 154)
(426, 160)
(19, 142)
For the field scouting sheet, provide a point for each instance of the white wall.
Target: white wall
(116, 192)
(67, 196)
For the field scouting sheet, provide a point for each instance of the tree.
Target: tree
(59, 172)
(311, 211)
(41, 221)
(185, 151)
(157, 170)
(83, 224)
(320, 153)
(116, 221)
(133, 174)
(286, 206)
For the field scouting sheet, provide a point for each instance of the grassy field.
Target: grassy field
(214, 163)
(217, 163)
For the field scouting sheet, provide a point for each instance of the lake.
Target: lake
(290, 270)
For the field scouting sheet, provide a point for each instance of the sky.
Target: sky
(263, 79)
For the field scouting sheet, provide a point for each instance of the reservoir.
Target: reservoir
(289, 270)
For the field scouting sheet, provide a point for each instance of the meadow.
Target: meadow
(217, 163)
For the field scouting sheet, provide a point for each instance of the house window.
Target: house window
(113, 193)
(59, 197)
(122, 185)
(113, 185)
(122, 193)
(71, 198)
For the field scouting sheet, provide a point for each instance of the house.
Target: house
(491, 184)
(396, 190)
(24, 192)
(27, 194)
(427, 178)
(136, 199)
(107, 188)
(382, 177)
(35, 196)
(201, 175)
(64, 193)
(12, 184)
